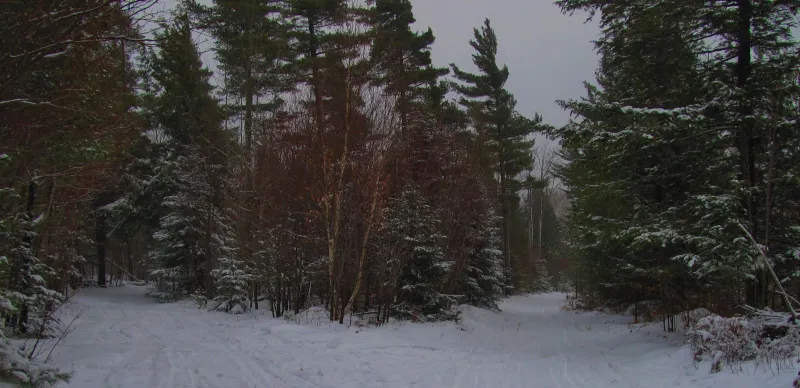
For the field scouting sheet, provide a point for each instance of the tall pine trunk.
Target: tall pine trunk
(745, 138)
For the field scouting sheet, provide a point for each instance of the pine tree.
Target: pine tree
(402, 56)
(412, 225)
(312, 34)
(503, 136)
(252, 50)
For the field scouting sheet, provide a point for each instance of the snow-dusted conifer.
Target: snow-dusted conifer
(232, 280)
(231, 275)
(28, 291)
(179, 238)
(485, 278)
(413, 225)
(190, 232)
(23, 291)
(191, 176)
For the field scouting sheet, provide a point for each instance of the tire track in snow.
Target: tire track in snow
(259, 374)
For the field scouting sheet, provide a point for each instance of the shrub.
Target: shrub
(731, 341)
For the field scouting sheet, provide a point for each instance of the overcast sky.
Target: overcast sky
(549, 54)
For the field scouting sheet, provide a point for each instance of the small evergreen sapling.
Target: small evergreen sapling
(485, 277)
(24, 291)
(232, 282)
(413, 224)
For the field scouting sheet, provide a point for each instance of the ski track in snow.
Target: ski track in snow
(124, 340)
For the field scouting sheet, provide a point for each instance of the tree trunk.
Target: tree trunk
(745, 138)
(27, 240)
(505, 211)
(541, 218)
(100, 245)
(206, 278)
(363, 253)
(333, 231)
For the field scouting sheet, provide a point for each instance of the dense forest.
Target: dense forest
(682, 162)
(329, 162)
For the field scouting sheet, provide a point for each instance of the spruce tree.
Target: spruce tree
(231, 275)
(193, 170)
(503, 138)
(483, 283)
(681, 145)
(179, 103)
(180, 240)
(26, 303)
(633, 155)
(412, 225)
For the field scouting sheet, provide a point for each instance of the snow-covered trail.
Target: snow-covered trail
(124, 339)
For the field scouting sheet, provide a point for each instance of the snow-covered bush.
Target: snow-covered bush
(17, 366)
(314, 315)
(45, 323)
(779, 346)
(730, 341)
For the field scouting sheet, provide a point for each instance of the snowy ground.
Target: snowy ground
(124, 339)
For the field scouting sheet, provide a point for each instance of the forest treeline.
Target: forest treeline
(327, 162)
(685, 147)
(330, 162)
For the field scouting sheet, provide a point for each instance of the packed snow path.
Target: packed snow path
(124, 339)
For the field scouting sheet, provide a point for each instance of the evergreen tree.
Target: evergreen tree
(230, 275)
(193, 168)
(179, 102)
(484, 279)
(633, 156)
(26, 303)
(28, 294)
(402, 56)
(679, 147)
(312, 34)
(252, 50)
(503, 136)
(181, 241)
(412, 224)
